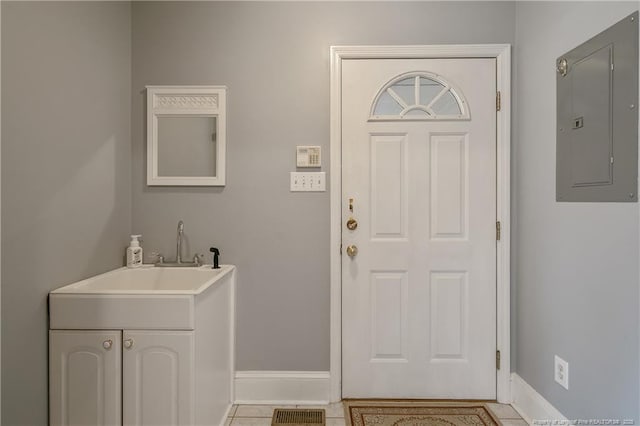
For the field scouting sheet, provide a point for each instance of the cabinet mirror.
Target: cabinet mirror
(186, 135)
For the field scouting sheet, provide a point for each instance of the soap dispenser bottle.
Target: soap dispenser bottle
(134, 252)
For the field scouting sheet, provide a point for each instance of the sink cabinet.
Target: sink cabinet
(93, 372)
(128, 376)
(157, 376)
(85, 377)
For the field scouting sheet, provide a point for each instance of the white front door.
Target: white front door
(419, 178)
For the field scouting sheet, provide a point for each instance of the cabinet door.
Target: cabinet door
(158, 368)
(85, 378)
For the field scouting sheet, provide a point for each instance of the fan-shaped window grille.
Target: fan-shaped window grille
(419, 96)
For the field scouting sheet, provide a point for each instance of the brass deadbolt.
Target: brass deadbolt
(352, 224)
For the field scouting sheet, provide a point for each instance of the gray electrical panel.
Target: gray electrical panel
(597, 117)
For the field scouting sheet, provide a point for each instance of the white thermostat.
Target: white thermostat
(308, 156)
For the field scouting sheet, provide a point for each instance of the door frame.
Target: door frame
(502, 54)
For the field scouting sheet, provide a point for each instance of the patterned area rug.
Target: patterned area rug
(418, 413)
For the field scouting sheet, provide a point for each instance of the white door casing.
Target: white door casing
(447, 281)
(419, 297)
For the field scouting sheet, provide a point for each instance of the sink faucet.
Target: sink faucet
(197, 259)
(179, 243)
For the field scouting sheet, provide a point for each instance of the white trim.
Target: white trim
(503, 213)
(281, 387)
(502, 53)
(189, 101)
(227, 414)
(232, 337)
(530, 404)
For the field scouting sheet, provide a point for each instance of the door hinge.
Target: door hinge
(498, 101)
(497, 360)
(340, 249)
(498, 230)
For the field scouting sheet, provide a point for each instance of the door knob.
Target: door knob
(352, 224)
(128, 343)
(107, 344)
(352, 251)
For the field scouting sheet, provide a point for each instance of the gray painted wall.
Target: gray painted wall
(68, 182)
(66, 172)
(577, 263)
(274, 58)
(0, 208)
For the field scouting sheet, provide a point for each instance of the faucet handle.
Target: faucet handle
(156, 257)
(198, 258)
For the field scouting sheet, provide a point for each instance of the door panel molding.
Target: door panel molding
(502, 54)
(444, 224)
(387, 191)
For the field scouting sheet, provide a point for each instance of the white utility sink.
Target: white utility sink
(148, 280)
(142, 298)
(143, 343)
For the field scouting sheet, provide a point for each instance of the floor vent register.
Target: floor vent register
(297, 417)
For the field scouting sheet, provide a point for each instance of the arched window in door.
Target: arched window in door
(419, 95)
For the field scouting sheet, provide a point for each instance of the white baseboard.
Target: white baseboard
(530, 404)
(282, 387)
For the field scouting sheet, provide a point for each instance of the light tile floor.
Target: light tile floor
(260, 415)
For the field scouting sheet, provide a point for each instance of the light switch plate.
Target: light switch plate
(308, 182)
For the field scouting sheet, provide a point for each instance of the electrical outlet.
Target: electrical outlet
(561, 372)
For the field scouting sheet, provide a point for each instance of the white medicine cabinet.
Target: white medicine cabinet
(186, 135)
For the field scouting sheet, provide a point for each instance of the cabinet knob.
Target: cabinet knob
(128, 343)
(107, 344)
